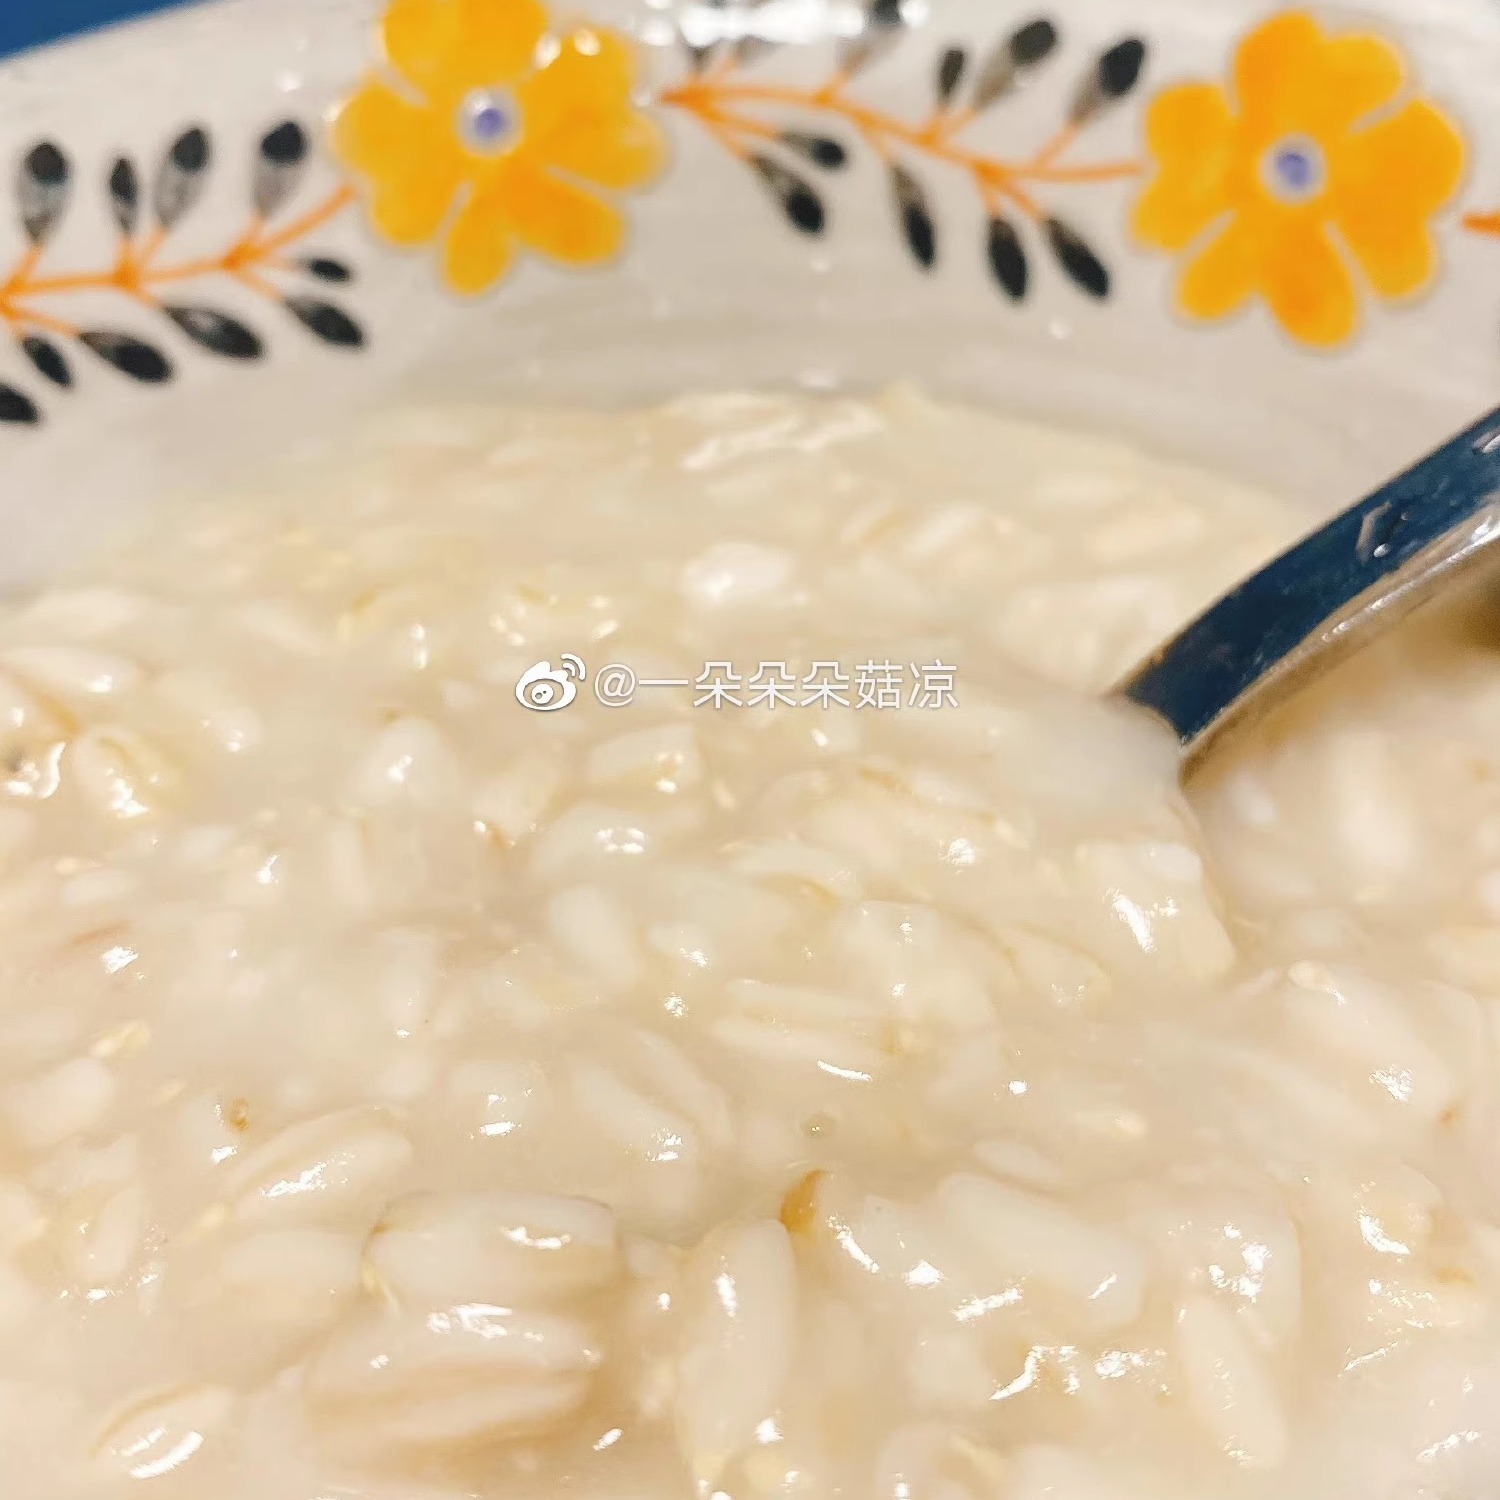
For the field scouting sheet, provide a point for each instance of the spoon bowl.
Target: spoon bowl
(1410, 541)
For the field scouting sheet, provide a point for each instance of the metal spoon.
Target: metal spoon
(1328, 595)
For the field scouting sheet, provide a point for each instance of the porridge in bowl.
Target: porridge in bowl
(623, 956)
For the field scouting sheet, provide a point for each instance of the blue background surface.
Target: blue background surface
(27, 23)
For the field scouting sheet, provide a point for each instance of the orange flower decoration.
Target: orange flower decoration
(488, 111)
(1310, 169)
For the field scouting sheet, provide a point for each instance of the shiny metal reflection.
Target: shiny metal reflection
(1397, 549)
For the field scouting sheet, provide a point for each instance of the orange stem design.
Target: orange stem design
(135, 271)
(718, 104)
(1483, 223)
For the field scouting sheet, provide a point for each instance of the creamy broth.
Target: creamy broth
(852, 1067)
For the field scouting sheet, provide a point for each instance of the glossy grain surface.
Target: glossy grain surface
(406, 1094)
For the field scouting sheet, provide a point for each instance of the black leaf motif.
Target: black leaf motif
(1001, 71)
(325, 268)
(821, 150)
(180, 181)
(915, 215)
(128, 354)
(125, 194)
(284, 144)
(17, 406)
(42, 190)
(216, 331)
(799, 202)
(1084, 268)
(882, 29)
(1112, 77)
(1033, 42)
(48, 359)
(950, 74)
(279, 163)
(1007, 258)
(329, 323)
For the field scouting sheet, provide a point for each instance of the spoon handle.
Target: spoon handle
(1329, 594)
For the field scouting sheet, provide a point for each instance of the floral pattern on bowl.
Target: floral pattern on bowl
(1317, 178)
(1310, 165)
(140, 269)
(523, 127)
(763, 123)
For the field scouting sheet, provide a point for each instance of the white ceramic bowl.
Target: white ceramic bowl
(1267, 239)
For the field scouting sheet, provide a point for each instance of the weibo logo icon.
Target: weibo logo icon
(545, 688)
